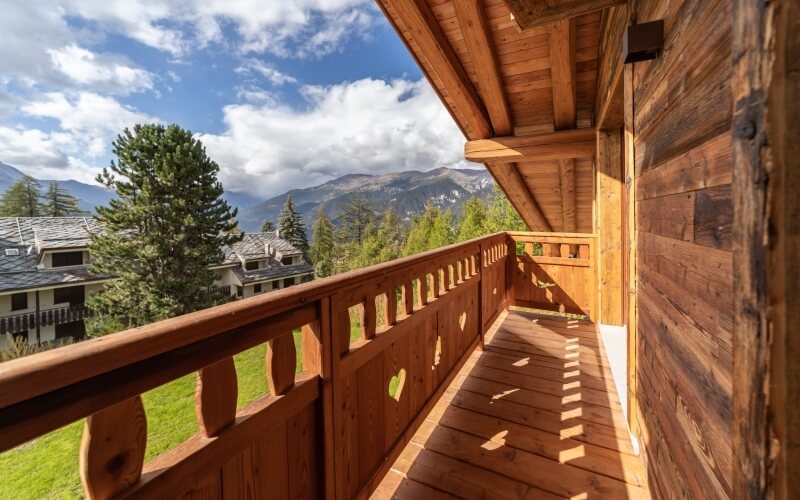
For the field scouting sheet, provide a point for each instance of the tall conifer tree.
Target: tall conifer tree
(322, 245)
(167, 224)
(473, 222)
(291, 227)
(59, 203)
(22, 199)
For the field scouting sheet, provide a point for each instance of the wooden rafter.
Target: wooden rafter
(521, 198)
(561, 35)
(416, 17)
(577, 143)
(532, 13)
(475, 27)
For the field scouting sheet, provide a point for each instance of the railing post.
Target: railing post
(481, 286)
(215, 397)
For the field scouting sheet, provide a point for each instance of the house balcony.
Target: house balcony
(20, 323)
(422, 377)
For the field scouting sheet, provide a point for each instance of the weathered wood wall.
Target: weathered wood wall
(681, 119)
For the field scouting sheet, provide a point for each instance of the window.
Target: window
(71, 294)
(276, 284)
(251, 266)
(257, 288)
(19, 301)
(288, 282)
(239, 291)
(287, 261)
(63, 259)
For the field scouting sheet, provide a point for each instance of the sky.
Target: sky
(283, 93)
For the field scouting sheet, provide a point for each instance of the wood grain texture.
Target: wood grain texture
(610, 185)
(531, 13)
(579, 143)
(561, 37)
(215, 397)
(112, 449)
(281, 363)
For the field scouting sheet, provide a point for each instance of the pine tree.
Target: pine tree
(501, 214)
(354, 217)
(383, 243)
(291, 227)
(59, 203)
(419, 235)
(21, 199)
(443, 231)
(267, 226)
(473, 222)
(322, 245)
(167, 224)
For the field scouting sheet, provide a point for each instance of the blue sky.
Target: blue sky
(283, 94)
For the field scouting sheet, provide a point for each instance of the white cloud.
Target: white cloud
(38, 154)
(100, 71)
(271, 74)
(88, 121)
(368, 126)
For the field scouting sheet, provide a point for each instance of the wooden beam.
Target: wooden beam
(609, 92)
(561, 35)
(531, 13)
(475, 28)
(566, 169)
(427, 35)
(609, 226)
(566, 144)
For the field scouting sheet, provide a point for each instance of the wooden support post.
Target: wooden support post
(369, 317)
(112, 449)
(215, 397)
(609, 226)
(408, 298)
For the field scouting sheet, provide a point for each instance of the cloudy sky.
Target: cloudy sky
(283, 93)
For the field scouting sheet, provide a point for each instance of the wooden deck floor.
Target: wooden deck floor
(535, 415)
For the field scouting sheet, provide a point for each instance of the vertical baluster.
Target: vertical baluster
(436, 278)
(423, 290)
(583, 251)
(565, 250)
(449, 281)
(391, 306)
(369, 317)
(215, 396)
(112, 449)
(408, 298)
(281, 363)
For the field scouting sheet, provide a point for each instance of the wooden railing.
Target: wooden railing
(554, 271)
(46, 317)
(332, 430)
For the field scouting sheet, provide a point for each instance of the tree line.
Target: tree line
(362, 236)
(24, 198)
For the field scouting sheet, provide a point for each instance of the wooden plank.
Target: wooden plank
(566, 170)
(561, 37)
(532, 13)
(609, 226)
(215, 397)
(579, 143)
(610, 100)
(433, 47)
(475, 29)
(112, 449)
(305, 481)
(281, 363)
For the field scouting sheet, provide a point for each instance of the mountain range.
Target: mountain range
(407, 191)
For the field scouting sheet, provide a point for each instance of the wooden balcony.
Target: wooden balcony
(397, 394)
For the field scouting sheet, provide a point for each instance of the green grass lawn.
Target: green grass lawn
(48, 466)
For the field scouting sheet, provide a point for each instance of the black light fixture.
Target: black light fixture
(643, 42)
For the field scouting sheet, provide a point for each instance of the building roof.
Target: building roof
(276, 272)
(24, 239)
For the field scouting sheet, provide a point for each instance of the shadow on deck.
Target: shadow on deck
(534, 415)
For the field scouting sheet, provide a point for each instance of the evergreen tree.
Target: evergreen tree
(473, 222)
(291, 227)
(419, 234)
(354, 217)
(382, 244)
(167, 224)
(59, 203)
(21, 199)
(443, 232)
(267, 226)
(501, 214)
(322, 245)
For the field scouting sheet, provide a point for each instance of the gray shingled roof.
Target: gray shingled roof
(275, 272)
(29, 236)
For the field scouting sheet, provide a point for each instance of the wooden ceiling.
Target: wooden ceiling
(517, 93)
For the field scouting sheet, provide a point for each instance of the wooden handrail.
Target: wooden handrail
(420, 317)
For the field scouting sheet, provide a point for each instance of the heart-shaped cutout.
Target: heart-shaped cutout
(462, 320)
(396, 384)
